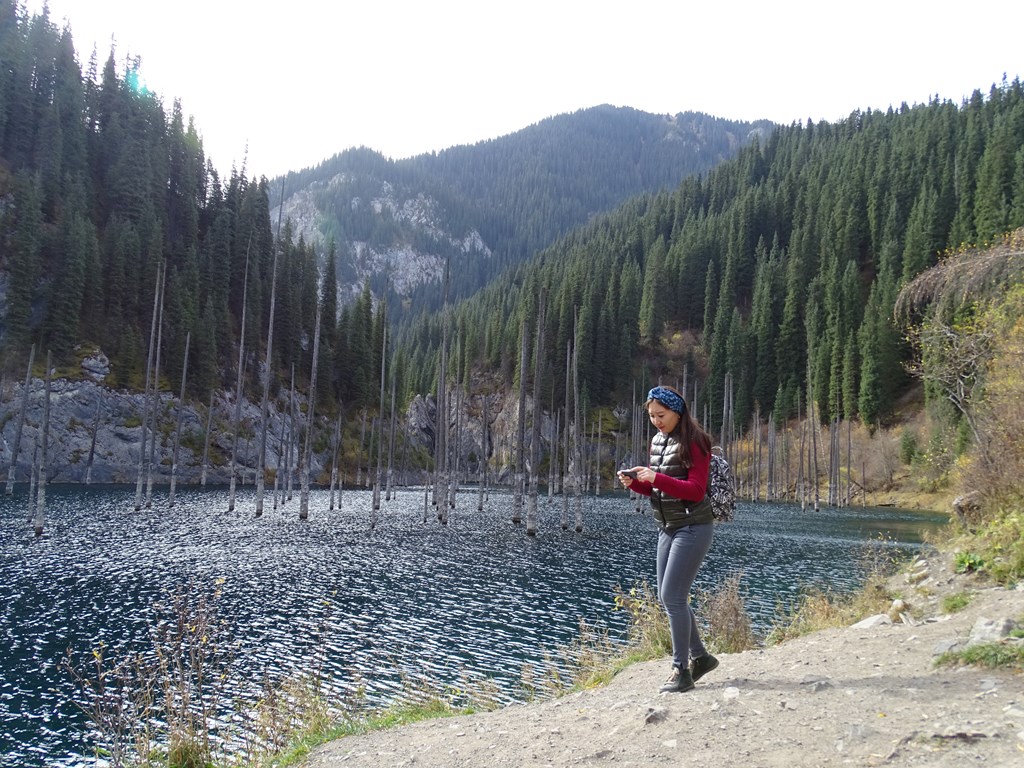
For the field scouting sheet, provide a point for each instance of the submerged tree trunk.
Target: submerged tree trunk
(12, 468)
(206, 442)
(483, 456)
(565, 444)
(362, 450)
(92, 441)
(517, 498)
(556, 431)
(145, 399)
(577, 447)
(33, 475)
(538, 368)
(336, 445)
(40, 515)
(239, 371)
(261, 460)
(391, 440)
(155, 409)
(310, 421)
(812, 464)
(441, 443)
(380, 417)
(177, 429)
(292, 438)
(849, 463)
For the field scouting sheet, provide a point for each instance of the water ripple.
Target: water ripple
(377, 606)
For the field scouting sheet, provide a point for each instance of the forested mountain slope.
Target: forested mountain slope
(103, 189)
(776, 268)
(776, 272)
(484, 207)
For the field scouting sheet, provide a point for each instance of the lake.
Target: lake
(377, 606)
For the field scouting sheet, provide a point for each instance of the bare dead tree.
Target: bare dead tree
(484, 454)
(849, 462)
(517, 493)
(335, 448)
(553, 464)
(310, 421)
(291, 441)
(535, 452)
(362, 450)
(380, 416)
(577, 447)
(964, 276)
(94, 432)
(282, 476)
(786, 448)
(755, 475)
(16, 446)
(33, 473)
(456, 444)
(145, 400)
(206, 442)
(812, 465)
(177, 429)
(44, 454)
(567, 437)
(238, 382)
(391, 439)
(958, 357)
(261, 460)
(155, 393)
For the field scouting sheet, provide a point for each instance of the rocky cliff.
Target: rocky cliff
(96, 433)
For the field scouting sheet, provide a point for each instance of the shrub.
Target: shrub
(908, 447)
(724, 614)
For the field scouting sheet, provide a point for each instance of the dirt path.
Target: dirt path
(862, 696)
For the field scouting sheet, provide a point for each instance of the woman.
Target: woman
(676, 481)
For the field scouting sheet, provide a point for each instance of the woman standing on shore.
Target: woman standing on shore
(676, 482)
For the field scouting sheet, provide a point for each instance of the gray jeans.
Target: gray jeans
(680, 553)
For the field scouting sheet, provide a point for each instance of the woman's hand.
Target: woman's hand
(627, 476)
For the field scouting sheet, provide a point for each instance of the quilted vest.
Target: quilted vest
(670, 512)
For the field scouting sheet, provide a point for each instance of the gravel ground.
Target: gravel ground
(864, 695)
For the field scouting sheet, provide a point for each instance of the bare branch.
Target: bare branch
(964, 275)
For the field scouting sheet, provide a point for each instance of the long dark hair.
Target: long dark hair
(687, 431)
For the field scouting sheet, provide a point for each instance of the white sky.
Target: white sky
(297, 81)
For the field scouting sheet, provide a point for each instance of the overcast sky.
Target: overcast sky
(296, 81)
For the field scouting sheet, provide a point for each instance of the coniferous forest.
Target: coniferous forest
(780, 267)
(776, 270)
(101, 186)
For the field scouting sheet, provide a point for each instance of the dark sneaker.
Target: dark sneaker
(702, 665)
(680, 681)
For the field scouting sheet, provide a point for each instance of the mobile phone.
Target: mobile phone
(629, 473)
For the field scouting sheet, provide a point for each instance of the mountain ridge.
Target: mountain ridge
(479, 207)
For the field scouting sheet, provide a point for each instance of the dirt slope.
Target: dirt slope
(862, 696)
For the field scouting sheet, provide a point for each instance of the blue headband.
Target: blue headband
(668, 398)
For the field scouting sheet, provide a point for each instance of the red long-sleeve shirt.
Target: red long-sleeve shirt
(691, 489)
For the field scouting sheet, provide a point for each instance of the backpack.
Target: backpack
(721, 488)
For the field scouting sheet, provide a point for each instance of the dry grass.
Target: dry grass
(594, 657)
(727, 624)
(819, 609)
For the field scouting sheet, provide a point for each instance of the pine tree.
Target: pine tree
(654, 298)
(994, 196)
(79, 246)
(23, 257)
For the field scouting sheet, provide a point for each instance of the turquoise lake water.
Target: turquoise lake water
(406, 599)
